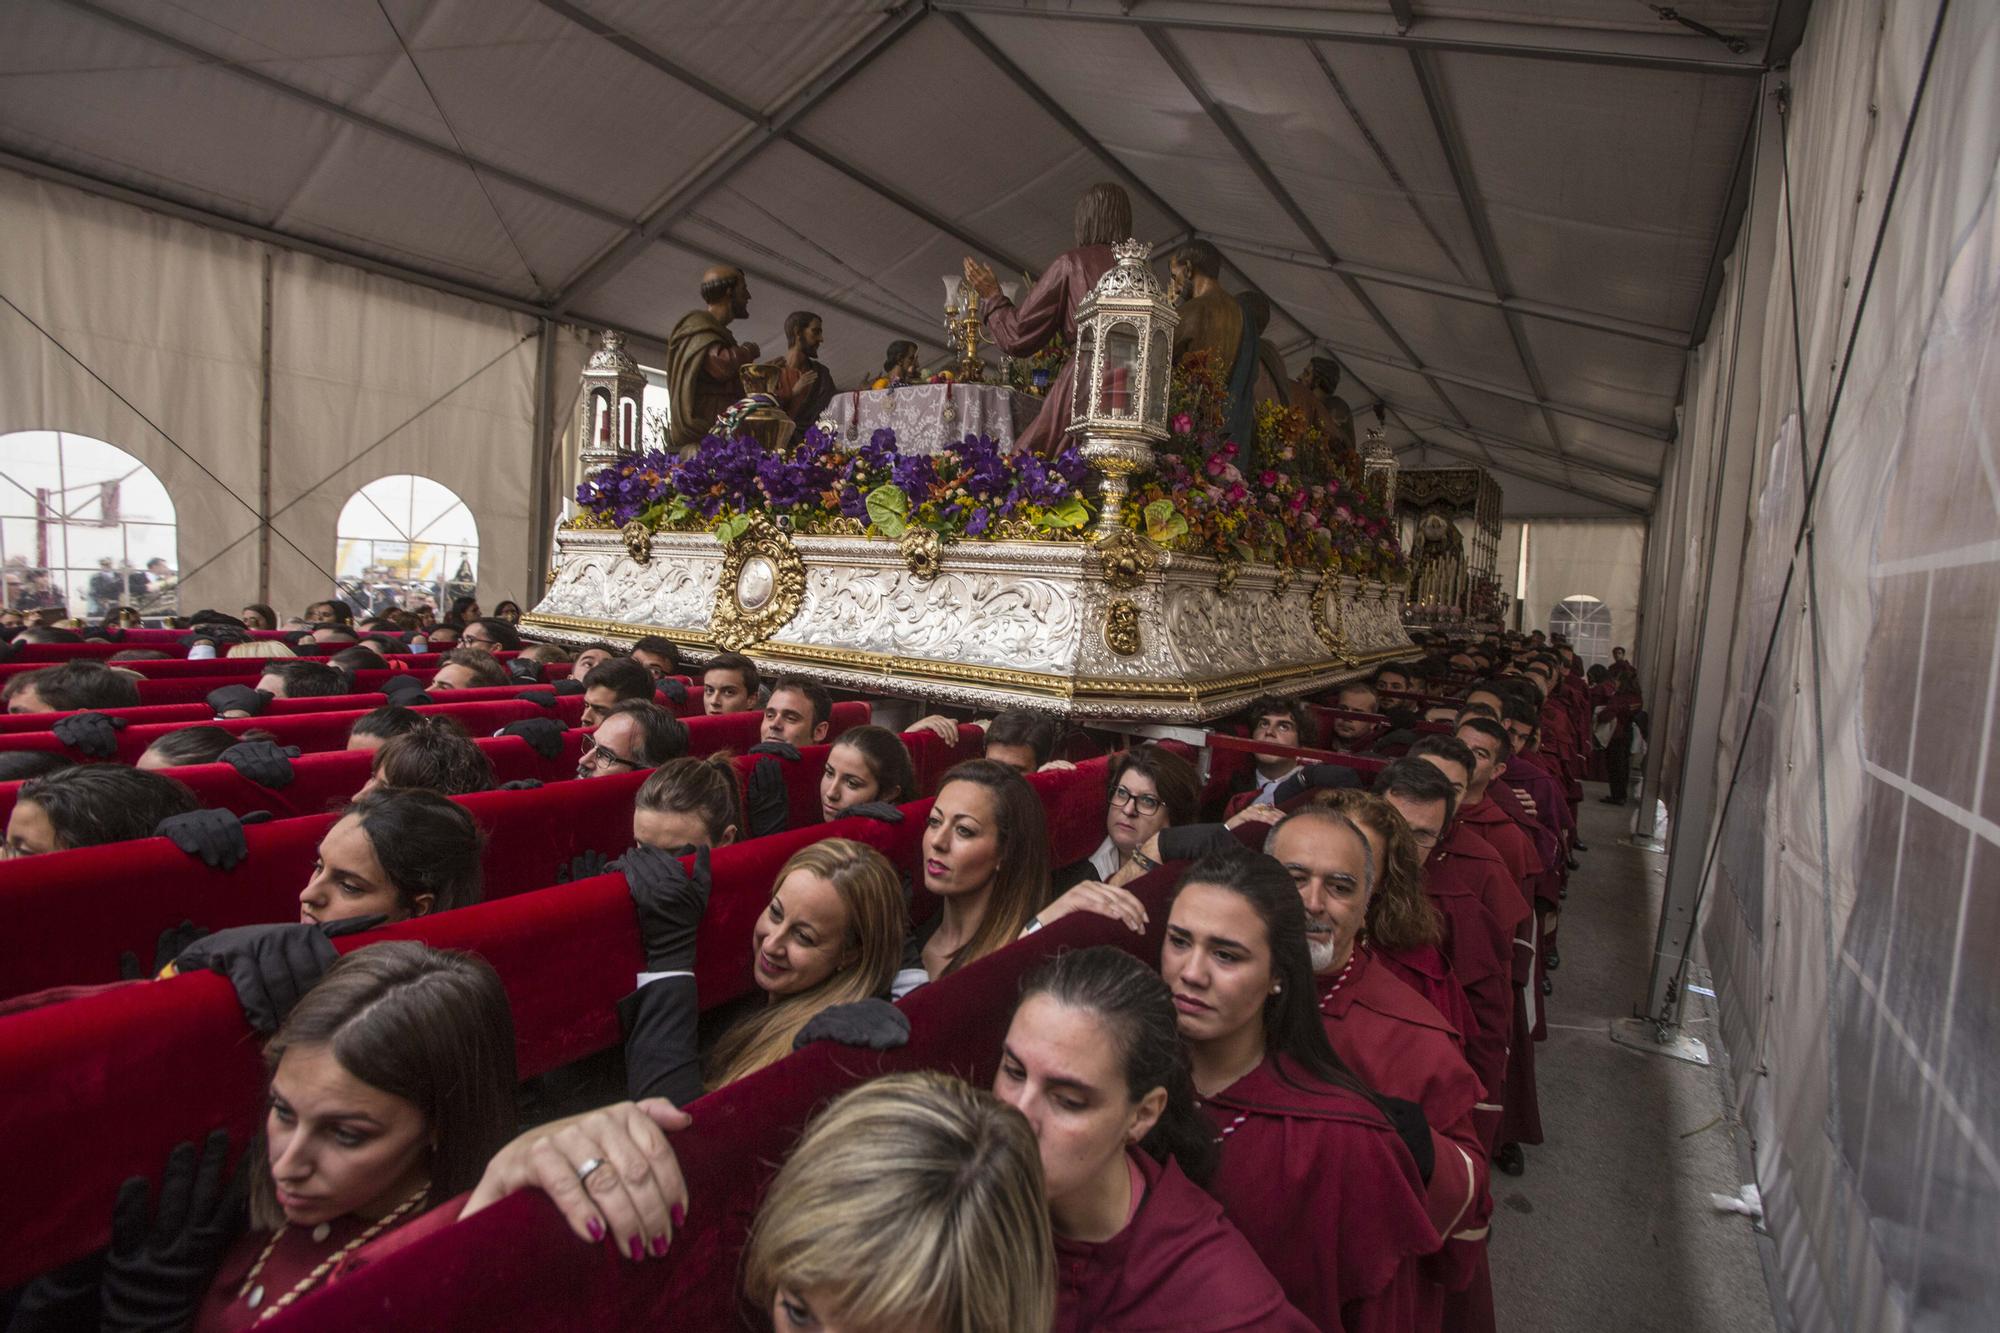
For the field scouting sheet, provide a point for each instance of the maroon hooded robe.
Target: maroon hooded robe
(1470, 885)
(1327, 1195)
(1401, 1046)
(1177, 1267)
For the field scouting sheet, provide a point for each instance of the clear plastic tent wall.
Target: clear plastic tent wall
(1850, 896)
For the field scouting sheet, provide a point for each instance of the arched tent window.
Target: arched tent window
(1586, 623)
(405, 541)
(84, 526)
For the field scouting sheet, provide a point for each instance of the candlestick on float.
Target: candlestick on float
(1124, 367)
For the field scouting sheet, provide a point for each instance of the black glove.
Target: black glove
(876, 1024)
(671, 690)
(168, 947)
(881, 810)
(1324, 777)
(543, 698)
(526, 670)
(670, 899)
(263, 762)
(545, 734)
(1407, 1119)
(582, 866)
(567, 686)
(402, 684)
(221, 635)
(271, 966)
(782, 749)
(767, 810)
(64, 1299)
(161, 1260)
(520, 784)
(93, 734)
(216, 836)
(228, 699)
(1191, 842)
(1315, 777)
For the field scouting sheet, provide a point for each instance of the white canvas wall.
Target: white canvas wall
(369, 376)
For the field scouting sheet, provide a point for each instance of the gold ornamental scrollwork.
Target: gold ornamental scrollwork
(762, 584)
(1126, 558)
(923, 552)
(1332, 631)
(1225, 578)
(1121, 627)
(1283, 583)
(638, 541)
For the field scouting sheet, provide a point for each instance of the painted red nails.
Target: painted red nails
(679, 1214)
(595, 1228)
(659, 1246)
(637, 1248)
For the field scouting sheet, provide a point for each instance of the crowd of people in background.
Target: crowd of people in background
(1284, 1118)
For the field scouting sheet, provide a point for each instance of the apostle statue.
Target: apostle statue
(803, 385)
(1215, 323)
(704, 360)
(902, 364)
(1269, 383)
(1313, 391)
(1103, 218)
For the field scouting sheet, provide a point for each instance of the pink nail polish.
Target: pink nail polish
(659, 1246)
(595, 1228)
(637, 1247)
(679, 1214)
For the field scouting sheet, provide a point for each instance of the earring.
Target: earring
(1277, 986)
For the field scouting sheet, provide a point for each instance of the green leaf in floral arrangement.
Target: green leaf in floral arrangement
(889, 510)
(679, 514)
(652, 513)
(731, 528)
(1164, 522)
(1071, 513)
(1244, 552)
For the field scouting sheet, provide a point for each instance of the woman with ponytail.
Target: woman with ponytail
(1094, 1060)
(1325, 1178)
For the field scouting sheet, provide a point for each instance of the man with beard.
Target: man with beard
(704, 360)
(804, 385)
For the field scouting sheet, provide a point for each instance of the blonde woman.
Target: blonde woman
(261, 648)
(912, 1202)
(824, 948)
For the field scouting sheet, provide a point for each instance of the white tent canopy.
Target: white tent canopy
(1506, 219)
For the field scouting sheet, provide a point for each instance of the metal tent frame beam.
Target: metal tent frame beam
(1578, 488)
(1226, 125)
(1639, 429)
(759, 135)
(1483, 435)
(1683, 52)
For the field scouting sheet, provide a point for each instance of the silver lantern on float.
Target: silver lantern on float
(1124, 369)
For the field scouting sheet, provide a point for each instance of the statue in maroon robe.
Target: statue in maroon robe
(1103, 218)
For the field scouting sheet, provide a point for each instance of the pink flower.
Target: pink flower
(1298, 501)
(1344, 514)
(1237, 492)
(1183, 424)
(1214, 465)
(1267, 478)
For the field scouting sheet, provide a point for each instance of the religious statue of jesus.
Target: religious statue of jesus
(804, 385)
(1103, 218)
(704, 360)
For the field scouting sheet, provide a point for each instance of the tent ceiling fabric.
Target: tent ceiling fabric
(1502, 216)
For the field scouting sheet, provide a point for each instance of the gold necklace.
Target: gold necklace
(312, 1279)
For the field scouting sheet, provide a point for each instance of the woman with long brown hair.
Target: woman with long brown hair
(830, 936)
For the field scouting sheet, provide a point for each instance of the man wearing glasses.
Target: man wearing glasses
(633, 737)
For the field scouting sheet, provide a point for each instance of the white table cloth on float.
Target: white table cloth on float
(926, 418)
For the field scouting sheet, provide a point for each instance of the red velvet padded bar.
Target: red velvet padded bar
(308, 731)
(230, 667)
(68, 915)
(200, 712)
(180, 1049)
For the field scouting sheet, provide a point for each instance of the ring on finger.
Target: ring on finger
(583, 1172)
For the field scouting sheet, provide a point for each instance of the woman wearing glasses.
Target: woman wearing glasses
(1150, 789)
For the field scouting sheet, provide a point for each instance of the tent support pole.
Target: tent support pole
(543, 444)
(264, 448)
